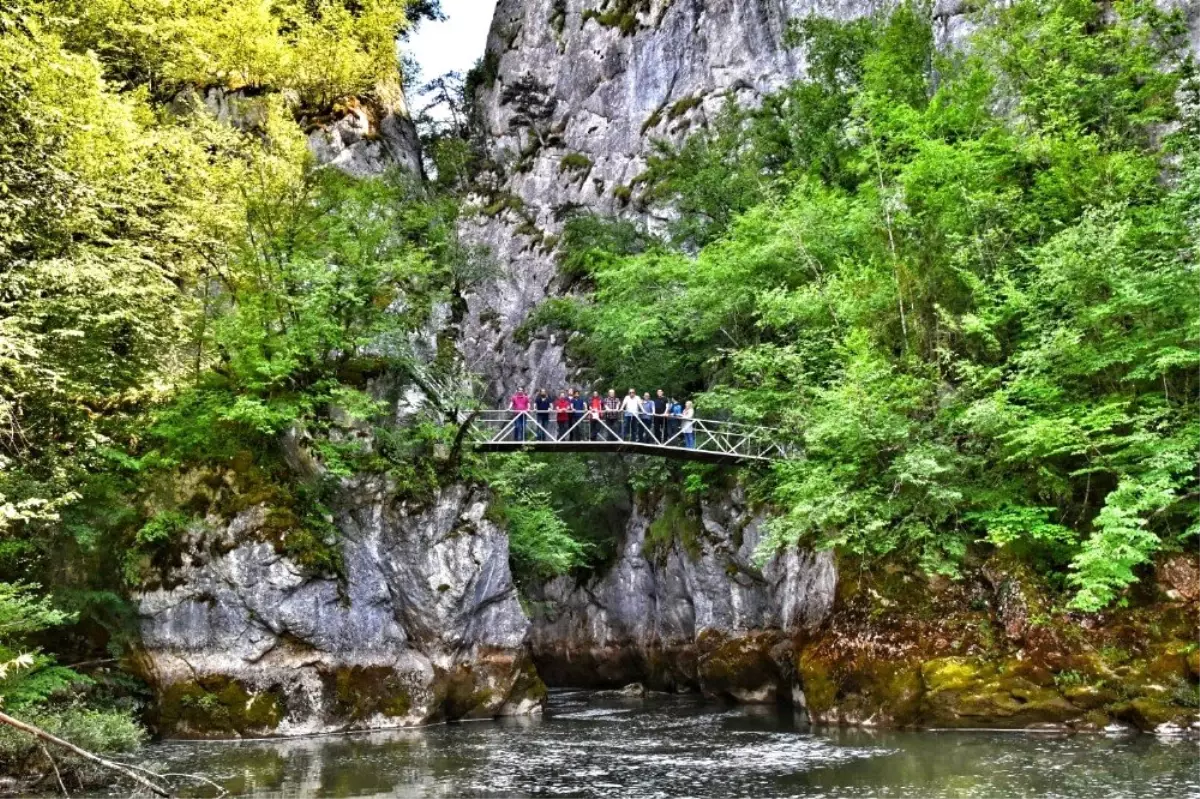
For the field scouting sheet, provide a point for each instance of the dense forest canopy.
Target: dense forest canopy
(176, 292)
(962, 281)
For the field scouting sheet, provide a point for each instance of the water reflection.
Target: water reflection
(598, 746)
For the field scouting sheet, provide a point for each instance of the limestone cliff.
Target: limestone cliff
(422, 625)
(595, 82)
(363, 138)
(684, 608)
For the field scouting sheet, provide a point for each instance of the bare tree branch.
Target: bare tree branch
(46, 737)
(54, 766)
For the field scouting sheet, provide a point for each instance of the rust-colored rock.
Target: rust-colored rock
(1178, 576)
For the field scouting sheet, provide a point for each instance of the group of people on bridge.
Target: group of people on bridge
(644, 420)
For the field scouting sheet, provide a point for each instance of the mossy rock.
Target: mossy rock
(744, 667)
(462, 693)
(966, 692)
(1192, 660)
(528, 687)
(575, 162)
(672, 668)
(356, 693)
(216, 706)
(1167, 666)
(1147, 713)
(677, 523)
(883, 692)
(1089, 697)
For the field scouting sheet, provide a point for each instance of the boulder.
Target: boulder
(967, 692)
(689, 611)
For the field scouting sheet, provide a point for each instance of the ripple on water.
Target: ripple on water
(603, 746)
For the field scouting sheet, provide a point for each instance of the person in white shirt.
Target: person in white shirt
(631, 406)
(689, 431)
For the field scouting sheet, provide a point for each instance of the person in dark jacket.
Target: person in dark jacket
(675, 412)
(660, 416)
(578, 406)
(542, 404)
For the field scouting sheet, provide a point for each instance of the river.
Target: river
(597, 745)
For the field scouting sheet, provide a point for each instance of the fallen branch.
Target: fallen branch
(54, 766)
(197, 777)
(42, 735)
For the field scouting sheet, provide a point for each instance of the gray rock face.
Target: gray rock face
(589, 89)
(366, 140)
(699, 615)
(363, 146)
(426, 625)
(567, 84)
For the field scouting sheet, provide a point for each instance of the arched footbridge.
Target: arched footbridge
(708, 440)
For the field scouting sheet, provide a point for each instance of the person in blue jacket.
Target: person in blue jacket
(675, 412)
(578, 406)
(646, 428)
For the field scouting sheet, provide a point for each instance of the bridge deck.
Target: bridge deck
(705, 440)
(623, 447)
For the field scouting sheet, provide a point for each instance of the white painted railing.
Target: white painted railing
(671, 436)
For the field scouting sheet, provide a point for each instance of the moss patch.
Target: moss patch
(652, 121)
(619, 14)
(461, 693)
(742, 666)
(218, 706)
(965, 692)
(504, 202)
(682, 106)
(679, 522)
(881, 691)
(575, 162)
(359, 692)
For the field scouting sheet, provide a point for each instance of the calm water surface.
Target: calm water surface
(589, 745)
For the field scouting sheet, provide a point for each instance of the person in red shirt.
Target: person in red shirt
(563, 406)
(595, 409)
(520, 406)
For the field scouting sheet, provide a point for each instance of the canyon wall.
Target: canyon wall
(424, 624)
(684, 607)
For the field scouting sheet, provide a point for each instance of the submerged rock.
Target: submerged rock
(424, 625)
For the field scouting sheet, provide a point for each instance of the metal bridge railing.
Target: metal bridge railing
(504, 429)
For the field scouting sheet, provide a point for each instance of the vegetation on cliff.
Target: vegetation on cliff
(187, 304)
(963, 282)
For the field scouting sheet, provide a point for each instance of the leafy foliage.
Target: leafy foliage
(185, 305)
(324, 50)
(540, 542)
(958, 280)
